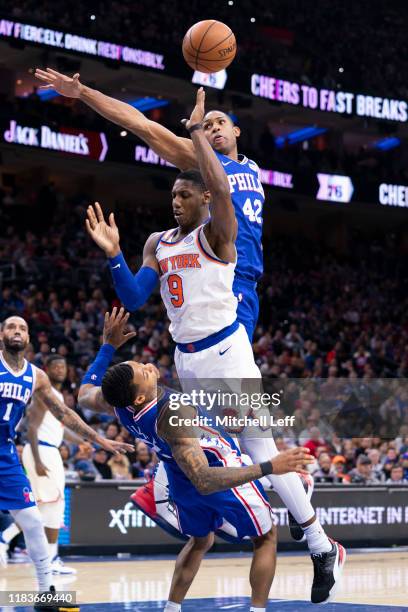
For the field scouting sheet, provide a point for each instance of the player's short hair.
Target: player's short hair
(53, 358)
(118, 388)
(13, 316)
(194, 177)
(217, 110)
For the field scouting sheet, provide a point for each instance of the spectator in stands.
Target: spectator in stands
(120, 467)
(100, 461)
(397, 475)
(325, 471)
(377, 467)
(315, 444)
(145, 461)
(339, 465)
(404, 461)
(363, 472)
(83, 462)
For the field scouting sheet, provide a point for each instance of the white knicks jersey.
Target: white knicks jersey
(51, 429)
(195, 285)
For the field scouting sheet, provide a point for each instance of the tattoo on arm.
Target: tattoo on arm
(190, 457)
(66, 415)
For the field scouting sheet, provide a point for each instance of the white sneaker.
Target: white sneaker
(19, 555)
(3, 554)
(59, 567)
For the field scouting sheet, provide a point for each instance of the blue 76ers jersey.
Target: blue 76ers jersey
(248, 198)
(16, 390)
(220, 450)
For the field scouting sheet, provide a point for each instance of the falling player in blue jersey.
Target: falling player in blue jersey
(207, 479)
(246, 194)
(19, 381)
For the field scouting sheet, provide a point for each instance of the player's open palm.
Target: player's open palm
(106, 235)
(62, 84)
(292, 460)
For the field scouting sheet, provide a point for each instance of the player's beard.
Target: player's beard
(14, 347)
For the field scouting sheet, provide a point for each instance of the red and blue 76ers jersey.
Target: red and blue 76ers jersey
(248, 198)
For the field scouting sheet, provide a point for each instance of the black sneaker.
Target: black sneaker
(295, 529)
(328, 568)
(56, 607)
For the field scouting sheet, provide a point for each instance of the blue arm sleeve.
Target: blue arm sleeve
(132, 290)
(98, 367)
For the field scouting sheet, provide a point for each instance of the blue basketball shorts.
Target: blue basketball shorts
(246, 508)
(15, 488)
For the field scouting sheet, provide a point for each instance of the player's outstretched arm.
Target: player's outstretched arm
(35, 417)
(132, 289)
(176, 150)
(187, 452)
(114, 335)
(44, 392)
(221, 231)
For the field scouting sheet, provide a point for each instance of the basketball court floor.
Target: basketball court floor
(373, 581)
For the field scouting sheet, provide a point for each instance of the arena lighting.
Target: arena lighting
(47, 94)
(70, 41)
(299, 136)
(387, 143)
(328, 100)
(146, 104)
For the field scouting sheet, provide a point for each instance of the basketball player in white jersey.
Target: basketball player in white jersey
(195, 265)
(43, 462)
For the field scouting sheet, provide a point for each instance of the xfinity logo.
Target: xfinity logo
(129, 517)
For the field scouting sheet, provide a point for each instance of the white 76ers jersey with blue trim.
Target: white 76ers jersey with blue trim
(16, 390)
(195, 285)
(248, 198)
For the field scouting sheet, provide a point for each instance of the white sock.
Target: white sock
(53, 548)
(257, 609)
(31, 524)
(10, 532)
(317, 540)
(289, 486)
(290, 489)
(172, 607)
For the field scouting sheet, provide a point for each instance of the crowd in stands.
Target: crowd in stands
(332, 328)
(361, 47)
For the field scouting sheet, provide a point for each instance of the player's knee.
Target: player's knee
(202, 544)
(268, 539)
(29, 519)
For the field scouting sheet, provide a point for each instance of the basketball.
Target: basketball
(209, 46)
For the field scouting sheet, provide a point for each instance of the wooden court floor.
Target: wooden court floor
(372, 579)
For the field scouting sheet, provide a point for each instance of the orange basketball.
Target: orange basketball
(209, 46)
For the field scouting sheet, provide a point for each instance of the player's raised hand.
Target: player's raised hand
(106, 235)
(62, 84)
(115, 327)
(292, 460)
(198, 113)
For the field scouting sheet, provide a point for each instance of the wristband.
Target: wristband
(193, 128)
(99, 366)
(266, 468)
